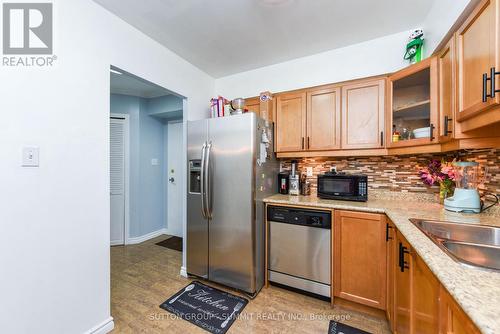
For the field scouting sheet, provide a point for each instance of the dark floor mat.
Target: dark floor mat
(174, 243)
(337, 328)
(209, 308)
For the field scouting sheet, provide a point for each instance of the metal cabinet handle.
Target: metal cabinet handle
(402, 263)
(302, 142)
(387, 227)
(485, 87)
(493, 90)
(308, 143)
(208, 183)
(432, 132)
(202, 181)
(491, 79)
(447, 131)
(382, 138)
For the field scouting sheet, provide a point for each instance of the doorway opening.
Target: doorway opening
(146, 159)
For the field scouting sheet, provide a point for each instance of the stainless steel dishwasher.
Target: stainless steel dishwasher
(299, 248)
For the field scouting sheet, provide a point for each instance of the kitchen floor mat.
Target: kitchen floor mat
(212, 309)
(174, 243)
(338, 328)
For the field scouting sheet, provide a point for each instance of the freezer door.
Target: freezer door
(197, 225)
(232, 183)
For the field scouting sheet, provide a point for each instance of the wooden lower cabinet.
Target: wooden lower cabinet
(452, 319)
(420, 304)
(360, 258)
(402, 286)
(425, 303)
(391, 270)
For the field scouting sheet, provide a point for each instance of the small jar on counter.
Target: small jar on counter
(305, 185)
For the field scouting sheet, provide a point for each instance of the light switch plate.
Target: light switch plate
(31, 156)
(309, 171)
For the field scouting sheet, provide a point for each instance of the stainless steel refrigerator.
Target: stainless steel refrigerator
(231, 168)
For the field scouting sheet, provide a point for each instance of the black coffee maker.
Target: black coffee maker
(283, 183)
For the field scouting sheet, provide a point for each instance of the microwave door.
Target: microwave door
(338, 186)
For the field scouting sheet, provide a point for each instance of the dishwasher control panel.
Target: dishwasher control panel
(305, 217)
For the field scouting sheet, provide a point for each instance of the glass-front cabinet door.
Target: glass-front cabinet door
(413, 104)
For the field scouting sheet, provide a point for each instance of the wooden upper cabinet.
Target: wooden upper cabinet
(478, 51)
(425, 310)
(290, 122)
(453, 320)
(413, 105)
(360, 257)
(253, 104)
(402, 291)
(446, 67)
(323, 119)
(363, 115)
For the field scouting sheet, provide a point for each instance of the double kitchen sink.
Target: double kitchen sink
(472, 245)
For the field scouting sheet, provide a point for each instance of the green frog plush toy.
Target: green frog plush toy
(414, 46)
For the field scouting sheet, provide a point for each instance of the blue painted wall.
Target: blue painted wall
(147, 133)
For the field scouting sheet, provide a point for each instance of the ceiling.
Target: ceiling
(224, 37)
(127, 84)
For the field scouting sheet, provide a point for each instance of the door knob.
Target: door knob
(171, 180)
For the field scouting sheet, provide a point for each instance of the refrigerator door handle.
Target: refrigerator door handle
(202, 181)
(208, 181)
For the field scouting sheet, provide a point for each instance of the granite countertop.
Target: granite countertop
(476, 290)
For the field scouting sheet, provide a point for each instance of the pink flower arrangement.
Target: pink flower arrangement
(438, 172)
(441, 173)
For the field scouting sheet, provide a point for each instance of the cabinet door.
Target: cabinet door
(452, 319)
(360, 258)
(402, 293)
(363, 115)
(323, 119)
(425, 298)
(413, 105)
(290, 122)
(391, 270)
(478, 51)
(253, 104)
(446, 68)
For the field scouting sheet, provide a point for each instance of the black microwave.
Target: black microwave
(347, 187)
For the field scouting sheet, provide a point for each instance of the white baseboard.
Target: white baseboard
(145, 237)
(116, 243)
(103, 328)
(184, 272)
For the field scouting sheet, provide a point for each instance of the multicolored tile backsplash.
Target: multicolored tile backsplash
(401, 173)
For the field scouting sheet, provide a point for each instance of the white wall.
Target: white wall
(374, 57)
(439, 21)
(54, 242)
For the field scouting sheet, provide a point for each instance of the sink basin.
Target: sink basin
(476, 245)
(478, 234)
(479, 255)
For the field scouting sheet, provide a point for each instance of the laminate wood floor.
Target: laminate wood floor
(145, 275)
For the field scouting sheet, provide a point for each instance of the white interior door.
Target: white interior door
(117, 180)
(174, 187)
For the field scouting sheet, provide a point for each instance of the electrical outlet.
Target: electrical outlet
(309, 171)
(30, 156)
(333, 169)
